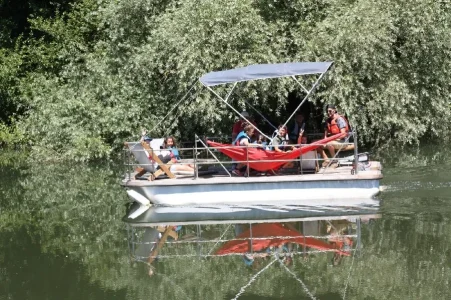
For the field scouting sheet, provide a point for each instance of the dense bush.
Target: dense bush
(88, 77)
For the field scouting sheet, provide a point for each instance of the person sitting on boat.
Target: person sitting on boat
(170, 144)
(280, 142)
(244, 139)
(296, 133)
(335, 124)
(239, 125)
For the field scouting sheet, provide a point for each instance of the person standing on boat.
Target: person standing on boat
(296, 133)
(170, 144)
(335, 124)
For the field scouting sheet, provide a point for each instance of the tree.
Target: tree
(99, 72)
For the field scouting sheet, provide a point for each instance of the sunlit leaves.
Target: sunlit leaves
(105, 69)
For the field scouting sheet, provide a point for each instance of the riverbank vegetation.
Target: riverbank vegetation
(78, 77)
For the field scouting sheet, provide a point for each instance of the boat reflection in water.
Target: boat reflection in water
(253, 234)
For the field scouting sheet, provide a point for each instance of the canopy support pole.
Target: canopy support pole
(212, 154)
(241, 116)
(306, 96)
(230, 93)
(253, 279)
(261, 115)
(306, 290)
(174, 107)
(305, 90)
(256, 110)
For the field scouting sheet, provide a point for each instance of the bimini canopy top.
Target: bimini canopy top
(264, 71)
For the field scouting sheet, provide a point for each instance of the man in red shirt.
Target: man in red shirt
(238, 126)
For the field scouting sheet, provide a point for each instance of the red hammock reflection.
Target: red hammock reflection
(271, 159)
(276, 235)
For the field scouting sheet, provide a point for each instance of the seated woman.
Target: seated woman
(244, 139)
(170, 144)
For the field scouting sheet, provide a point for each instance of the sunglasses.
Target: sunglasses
(330, 110)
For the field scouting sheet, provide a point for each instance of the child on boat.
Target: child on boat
(239, 125)
(174, 156)
(244, 140)
(280, 141)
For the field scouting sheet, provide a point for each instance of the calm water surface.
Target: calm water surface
(61, 237)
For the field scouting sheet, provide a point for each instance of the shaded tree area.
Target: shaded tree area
(15, 16)
(85, 75)
(19, 44)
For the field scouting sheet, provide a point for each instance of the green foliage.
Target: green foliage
(10, 135)
(20, 49)
(10, 65)
(89, 76)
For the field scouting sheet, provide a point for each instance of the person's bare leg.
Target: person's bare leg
(184, 168)
(331, 150)
(323, 153)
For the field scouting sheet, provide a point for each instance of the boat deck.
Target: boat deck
(215, 175)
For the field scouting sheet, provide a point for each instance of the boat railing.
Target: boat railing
(202, 156)
(206, 240)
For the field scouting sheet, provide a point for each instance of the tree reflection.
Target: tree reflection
(69, 216)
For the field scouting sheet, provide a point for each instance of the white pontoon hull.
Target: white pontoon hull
(199, 192)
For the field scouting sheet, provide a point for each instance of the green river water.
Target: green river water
(62, 237)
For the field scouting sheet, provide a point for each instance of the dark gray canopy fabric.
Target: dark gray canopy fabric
(254, 72)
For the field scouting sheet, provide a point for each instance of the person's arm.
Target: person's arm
(247, 144)
(301, 133)
(175, 153)
(341, 123)
(275, 143)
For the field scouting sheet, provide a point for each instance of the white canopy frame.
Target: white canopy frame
(276, 74)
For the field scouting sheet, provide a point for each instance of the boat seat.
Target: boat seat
(344, 150)
(308, 162)
(143, 152)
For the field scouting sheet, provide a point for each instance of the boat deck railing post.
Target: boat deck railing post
(130, 238)
(129, 166)
(199, 233)
(250, 238)
(356, 151)
(214, 156)
(247, 161)
(133, 240)
(196, 171)
(304, 247)
(359, 235)
(300, 161)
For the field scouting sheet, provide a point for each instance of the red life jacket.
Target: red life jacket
(332, 126)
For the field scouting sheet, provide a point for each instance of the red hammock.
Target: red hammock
(254, 154)
(272, 230)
